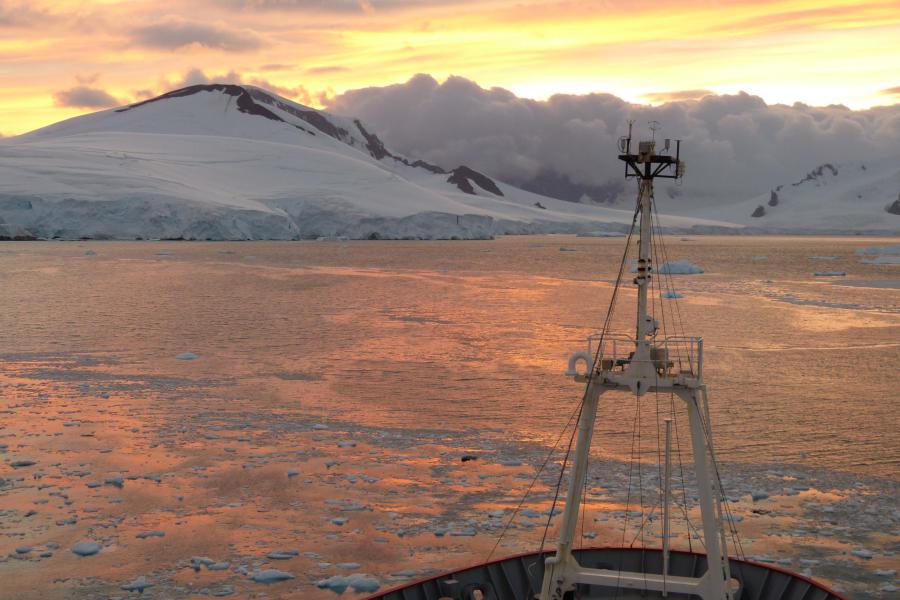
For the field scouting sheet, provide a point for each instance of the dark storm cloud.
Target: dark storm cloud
(84, 96)
(739, 144)
(172, 33)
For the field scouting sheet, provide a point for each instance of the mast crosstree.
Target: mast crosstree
(643, 363)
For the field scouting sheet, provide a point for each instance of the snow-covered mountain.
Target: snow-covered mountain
(237, 162)
(843, 198)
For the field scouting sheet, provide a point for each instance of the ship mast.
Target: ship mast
(639, 364)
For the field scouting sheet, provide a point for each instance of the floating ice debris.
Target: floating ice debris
(603, 234)
(511, 463)
(219, 566)
(225, 590)
(164, 253)
(282, 554)
(201, 561)
(86, 548)
(355, 507)
(187, 356)
(90, 253)
(23, 549)
(339, 520)
(862, 553)
(18, 464)
(879, 250)
(590, 535)
(360, 582)
(758, 495)
(320, 426)
(293, 472)
(886, 572)
(680, 267)
(468, 457)
(830, 274)
(271, 576)
(346, 444)
(888, 587)
(555, 511)
(348, 565)
(149, 534)
(564, 249)
(883, 260)
(670, 295)
(463, 532)
(734, 518)
(117, 481)
(405, 573)
(759, 258)
(823, 258)
(138, 585)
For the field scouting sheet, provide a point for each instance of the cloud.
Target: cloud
(84, 96)
(327, 69)
(894, 91)
(172, 33)
(662, 97)
(22, 14)
(737, 144)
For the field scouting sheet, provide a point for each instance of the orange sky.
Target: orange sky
(59, 58)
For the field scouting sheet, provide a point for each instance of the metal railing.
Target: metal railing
(673, 355)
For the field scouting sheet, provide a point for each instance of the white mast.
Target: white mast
(640, 364)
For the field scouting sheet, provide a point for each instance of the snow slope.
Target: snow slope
(237, 162)
(841, 198)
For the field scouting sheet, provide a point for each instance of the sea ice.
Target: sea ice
(282, 554)
(86, 548)
(271, 576)
(138, 585)
(680, 267)
(862, 553)
(360, 583)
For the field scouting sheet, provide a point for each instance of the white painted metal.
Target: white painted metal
(645, 368)
(666, 494)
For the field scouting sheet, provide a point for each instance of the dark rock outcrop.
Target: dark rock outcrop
(773, 198)
(894, 208)
(760, 211)
(463, 177)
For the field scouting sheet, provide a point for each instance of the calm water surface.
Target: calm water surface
(336, 386)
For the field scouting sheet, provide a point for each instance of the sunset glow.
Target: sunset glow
(59, 59)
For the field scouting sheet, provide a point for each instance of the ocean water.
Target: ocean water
(181, 401)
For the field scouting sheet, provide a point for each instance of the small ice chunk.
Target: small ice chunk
(282, 554)
(149, 534)
(90, 253)
(886, 572)
(86, 548)
(219, 566)
(680, 267)
(293, 472)
(187, 356)
(23, 549)
(862, 553)
(320, 426)
(271, 576)
(18, 464)
(339, 520)
(117, 481)
(138, 585)
(346, 444)
(360, 583)
(463, 532)
(348, 565)
(830, 274)
(671, 295)
(758, 495)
